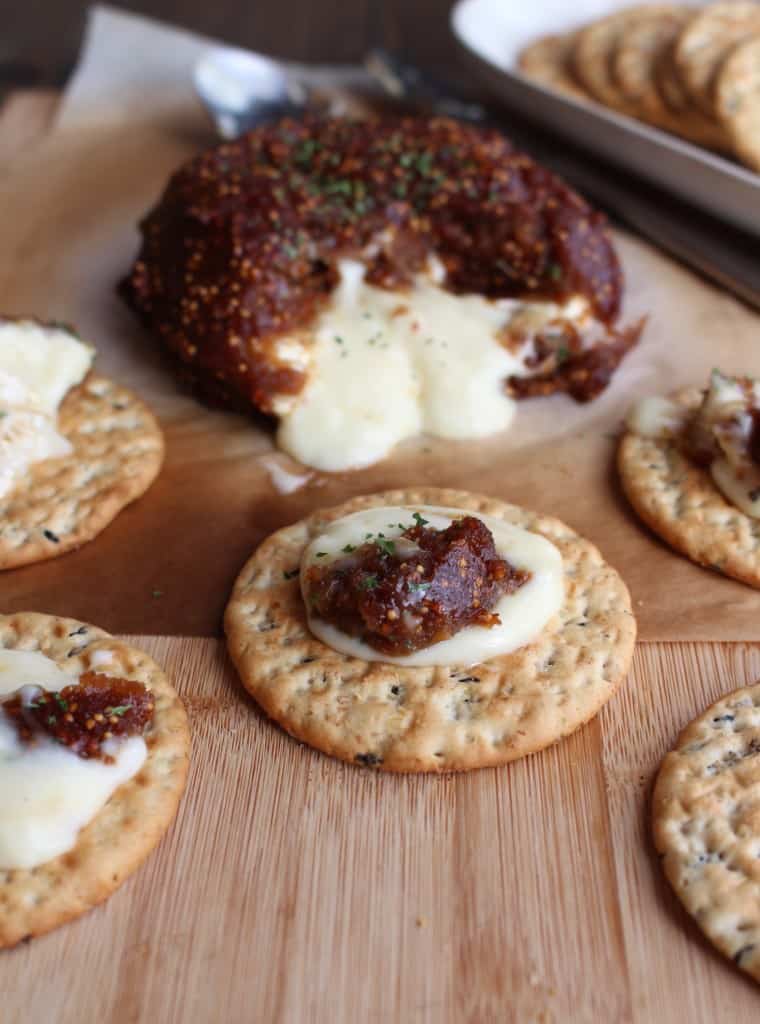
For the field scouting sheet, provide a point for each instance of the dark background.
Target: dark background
(40, 39)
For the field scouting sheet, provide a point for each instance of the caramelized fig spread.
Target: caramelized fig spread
(82, 716)
(243, 246)
(408, 593)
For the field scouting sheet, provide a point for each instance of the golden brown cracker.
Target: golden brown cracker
(706, 821)
(707, 41)
(62, 503)
(737, 100)
(433, 718)
(123, 833)
(547, 61)
(679, 501)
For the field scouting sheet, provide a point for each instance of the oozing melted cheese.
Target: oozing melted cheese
(523, 613)
(657, 417)
(739, 489)
(47, 793)
(386, 365)
(38, 366)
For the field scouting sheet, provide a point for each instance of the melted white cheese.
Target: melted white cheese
(523, 614)
(738, 486)
(386, 365)
(47, 793)
(657, 417)
(38, 365)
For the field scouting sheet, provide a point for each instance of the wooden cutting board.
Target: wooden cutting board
(293, 888)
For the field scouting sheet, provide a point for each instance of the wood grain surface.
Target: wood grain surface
(294, 888)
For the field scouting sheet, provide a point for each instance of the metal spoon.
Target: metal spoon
(240, 89)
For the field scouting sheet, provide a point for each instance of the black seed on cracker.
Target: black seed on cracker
(53, 538)
(369, 760)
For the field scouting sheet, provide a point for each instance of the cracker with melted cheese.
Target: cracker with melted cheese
(75, 448)
(427, 718)
(681, 502)
(122, 834)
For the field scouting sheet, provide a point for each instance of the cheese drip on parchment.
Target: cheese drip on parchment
(47, 792)
(523, 613)
(38, 366)
(387, 365)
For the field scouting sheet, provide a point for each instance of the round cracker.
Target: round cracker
(638, 52)
(707, 41)
(688, 120)
(123, 833)
(681, 503)
(547, 61)
(434, 718)
(706, 821)
(737, 100)
(592, 57)
(62, 503)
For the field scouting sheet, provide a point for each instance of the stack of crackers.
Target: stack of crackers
(691, 71)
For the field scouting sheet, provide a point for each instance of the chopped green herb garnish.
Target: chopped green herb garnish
(386, 545)
(563, 354)
(51, 720)
(157, 593)
(368, 583)
(419, 519)
(118, 712)
(555, 271)
(291, 574)
(414, 587)
(62, 704)
(338, 339)
(321, 554)
(348, 549)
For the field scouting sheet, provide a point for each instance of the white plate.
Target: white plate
(494, 31)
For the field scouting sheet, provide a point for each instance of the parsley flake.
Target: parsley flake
(368, 583)
(117, 712)
(348, 549)
(290, 574)
(418, 519)
(386, 545)
(321, 554)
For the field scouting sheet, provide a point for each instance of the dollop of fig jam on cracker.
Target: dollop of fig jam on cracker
(82, 716)
(415, 590)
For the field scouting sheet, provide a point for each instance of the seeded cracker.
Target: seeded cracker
(430, 719)
(547, 61)
(62, 503)
(679, 501)
(737, 99)
(707, 41)
(120, 837)
(706, 821)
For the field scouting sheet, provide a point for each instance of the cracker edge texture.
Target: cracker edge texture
(34, 901)
(421, 719)
(706, 824)
(63, 503)
(679, 502)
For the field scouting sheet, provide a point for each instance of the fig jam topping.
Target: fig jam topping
(82, 716)
(415, 590)
(242, 247)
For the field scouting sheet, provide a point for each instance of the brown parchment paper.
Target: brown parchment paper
(69, 211)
